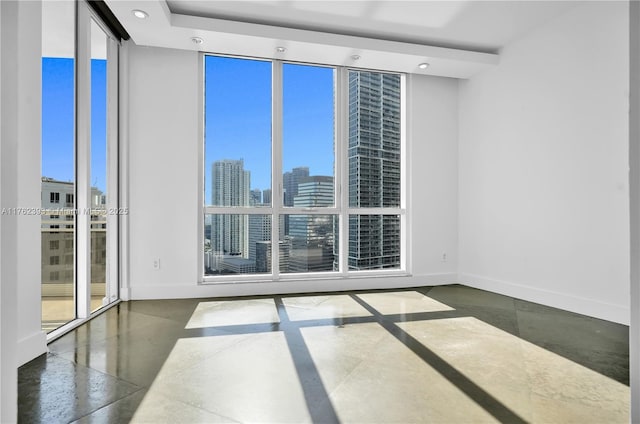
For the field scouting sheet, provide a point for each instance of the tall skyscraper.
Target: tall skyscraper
(291, 180)
(263, 255)
(312, 236)
(374, 168)
(314, 191)
(230, 187)
(266, 196)
(259, 230)
(255, 198)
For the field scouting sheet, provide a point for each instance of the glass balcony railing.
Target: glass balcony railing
(58, 267)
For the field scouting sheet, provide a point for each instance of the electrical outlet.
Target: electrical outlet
(156, 263)
(444, 257)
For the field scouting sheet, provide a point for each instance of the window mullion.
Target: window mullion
(113, 210)
(276, 166)
(376, 211)
(83, 161)
(405, 220)
(320, 210)
(342, 166)
(231, 210)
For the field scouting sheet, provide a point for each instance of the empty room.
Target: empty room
(319, 211)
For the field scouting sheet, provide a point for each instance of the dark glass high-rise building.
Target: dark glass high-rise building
(266, 196)
(291, 180)
(313, 236)
(263, 255)
(255, 197)
(374, 168)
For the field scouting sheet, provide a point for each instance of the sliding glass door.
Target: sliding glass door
(79, 168)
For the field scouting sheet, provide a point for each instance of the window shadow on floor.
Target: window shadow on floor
(599, 345)
(103, 370)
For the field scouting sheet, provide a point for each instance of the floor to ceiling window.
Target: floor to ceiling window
(58, 164)
(79, 147)
(375, 172)
(238, 157)
(307, 157)
(308, 165)
(99, 165)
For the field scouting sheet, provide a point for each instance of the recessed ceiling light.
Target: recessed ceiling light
(140, 14)
(281, 49)
(355, 57)
(423, 65)
(197, 40)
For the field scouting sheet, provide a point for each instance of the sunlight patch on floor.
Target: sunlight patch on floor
(233, 312)
(403, 302)
(537, 384)
(225, 379)
(323, 307)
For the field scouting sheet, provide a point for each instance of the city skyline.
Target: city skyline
(238, 117)
(241, 243)
(253, 192)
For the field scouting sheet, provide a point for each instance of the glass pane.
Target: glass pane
(58, 165)
(308, 134)
(374, 242)
(374, 139)
(237, 244)
(313, 243)
(98, 166)
(237, 132)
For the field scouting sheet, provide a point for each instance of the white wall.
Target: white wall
(163, 183)
(31, 339)
(433, 197)
(8, 230)
(634, 195)
(543, 166)
(163, 157)
(21, 338)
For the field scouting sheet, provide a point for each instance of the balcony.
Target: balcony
(58, 273)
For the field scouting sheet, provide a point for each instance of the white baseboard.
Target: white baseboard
(125, 293)
(581, 305)
(591, 307)
(31, 347)
(192, 290)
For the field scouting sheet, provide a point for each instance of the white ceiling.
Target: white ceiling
(457, 38)
(58, 31)
(484, 26)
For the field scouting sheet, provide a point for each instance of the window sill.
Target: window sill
(301, 278)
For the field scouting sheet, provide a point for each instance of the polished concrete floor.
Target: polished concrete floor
(447, 354)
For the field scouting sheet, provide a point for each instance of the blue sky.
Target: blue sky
(57, 118)
(58, 94)
(238, 117)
